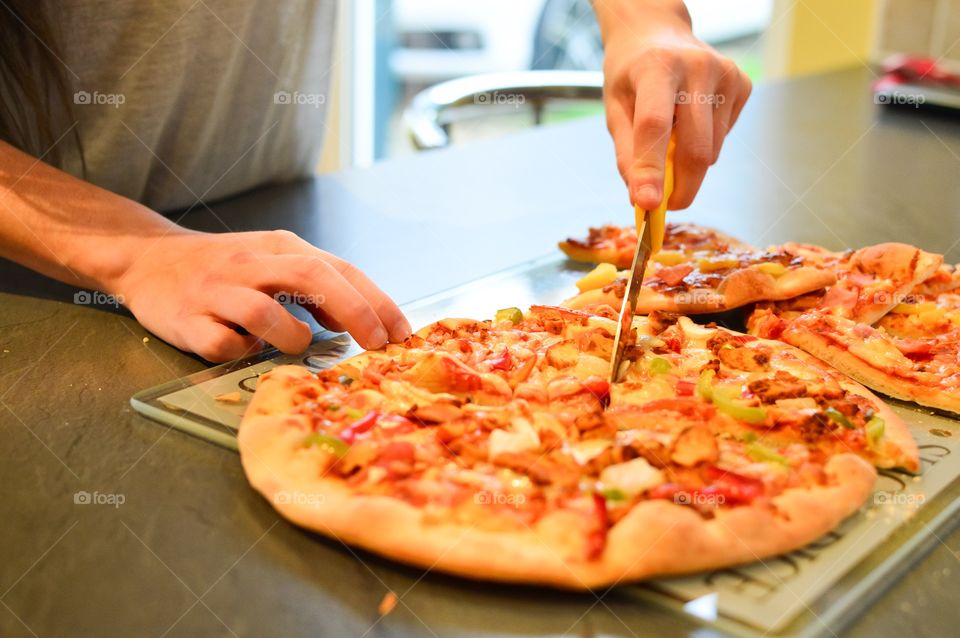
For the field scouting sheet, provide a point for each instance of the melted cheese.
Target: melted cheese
(631, 477)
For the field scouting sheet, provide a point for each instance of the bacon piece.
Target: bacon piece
(673, 275)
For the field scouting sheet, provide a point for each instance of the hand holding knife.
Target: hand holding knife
(651, 226)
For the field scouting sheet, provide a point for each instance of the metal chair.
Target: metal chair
(429, 115)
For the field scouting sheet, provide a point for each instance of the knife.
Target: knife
(651, 226)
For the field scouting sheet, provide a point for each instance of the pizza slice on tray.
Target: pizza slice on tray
(497, 450)
(709, 281)
(911, 353)
(616, 244)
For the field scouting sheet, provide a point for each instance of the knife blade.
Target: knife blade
(641, 255)
(650, 230)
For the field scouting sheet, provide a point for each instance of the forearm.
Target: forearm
(69, 229)
(637, 18)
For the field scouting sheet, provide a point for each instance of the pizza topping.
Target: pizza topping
(772, 268)
(875, 429)
(599, 277)
(782, 385)
(759, 452)
(522, 438)
(695, 444)
(839, 418)
(673, 275)
(632, 477)
(659, 365)
(327, 443)
(727, 401)
(513, 315)
(361, 425)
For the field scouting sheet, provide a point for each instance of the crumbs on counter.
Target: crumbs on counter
(388, 603)
(229, 397)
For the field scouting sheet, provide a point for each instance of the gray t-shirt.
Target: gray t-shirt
(184, 100)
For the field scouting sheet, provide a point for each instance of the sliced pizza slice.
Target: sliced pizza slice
(708, 282)
(771, 390)
(923, 316)
(615, 245)
(923, 370)
(873, 280)
(945, 279)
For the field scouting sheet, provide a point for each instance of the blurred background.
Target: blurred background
(392, 49)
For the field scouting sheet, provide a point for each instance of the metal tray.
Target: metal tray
(809, 592)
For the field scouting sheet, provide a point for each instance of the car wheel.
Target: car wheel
(567, 37)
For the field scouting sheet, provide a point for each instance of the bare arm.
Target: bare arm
(658, 77)
(189, 288)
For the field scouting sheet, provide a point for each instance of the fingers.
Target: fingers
(620, 125)
(262, 317)
(398, 328)
(694, 154)
(216, 342)
(652, 122)
(390, 315)
(734, 87)
(317, 285)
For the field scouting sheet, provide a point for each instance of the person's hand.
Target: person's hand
(657, 77)
(192, 289)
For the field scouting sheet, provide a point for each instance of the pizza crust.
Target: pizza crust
(656, 537)
(576, 252)
(854, 367)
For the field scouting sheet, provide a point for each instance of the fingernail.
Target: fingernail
(648, 195)
(378, 339)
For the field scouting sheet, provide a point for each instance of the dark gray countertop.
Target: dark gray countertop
(193, 551)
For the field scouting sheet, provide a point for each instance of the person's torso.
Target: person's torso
(190, 100)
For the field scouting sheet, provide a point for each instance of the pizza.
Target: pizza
(945, 279)
(615, 245)
(923, 316)
(497, 450)
(912, 352)
(905, 362)
(872, 280)
(708, 281)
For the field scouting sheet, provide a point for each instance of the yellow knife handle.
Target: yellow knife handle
(657, 217)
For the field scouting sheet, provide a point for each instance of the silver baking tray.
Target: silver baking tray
(812, 591)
